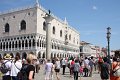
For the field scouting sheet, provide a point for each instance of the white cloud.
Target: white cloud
(94, 8)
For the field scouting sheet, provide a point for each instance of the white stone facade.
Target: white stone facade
(24, 31)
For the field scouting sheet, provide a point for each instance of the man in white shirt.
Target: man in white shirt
(64, 65)
(86, 64)
(48, 70)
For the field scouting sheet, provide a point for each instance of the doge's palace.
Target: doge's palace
(24, 30)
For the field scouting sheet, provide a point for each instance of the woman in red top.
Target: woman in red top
(71, 67)
(114, 64)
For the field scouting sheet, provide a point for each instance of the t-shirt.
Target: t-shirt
(91, 63)
(57, 64)
(76, 67)
(48, 67)
(15, 68)
(72, 62)
(30, 68)
(63, 62)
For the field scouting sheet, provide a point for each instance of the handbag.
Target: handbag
(116, 71)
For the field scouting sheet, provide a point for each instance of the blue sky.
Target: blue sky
(89, 17)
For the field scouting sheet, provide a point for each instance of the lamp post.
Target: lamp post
(108, 41)
(48, 19)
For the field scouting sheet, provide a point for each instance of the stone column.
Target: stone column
(48, 41)
(48, 19)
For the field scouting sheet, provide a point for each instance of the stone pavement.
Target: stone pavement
(40, 75)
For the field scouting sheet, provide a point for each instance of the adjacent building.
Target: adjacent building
(88, 49)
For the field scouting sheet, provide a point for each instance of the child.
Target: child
(81, 71)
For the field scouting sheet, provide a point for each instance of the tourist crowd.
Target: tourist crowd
(25, 68)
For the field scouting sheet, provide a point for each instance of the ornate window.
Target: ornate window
(74, 40)
(66, 38)
(7, 27)
(16, 44)
(26, 43)
(33, 43)
(70, 37)
(0, 45)
(44, 26)
(19, 44)
(53, 29)
(23, 25)
(60, 33)
(29, 43)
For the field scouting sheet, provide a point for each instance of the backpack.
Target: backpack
(116, 71)
(3, 68)
(22, 75)
(105, 71)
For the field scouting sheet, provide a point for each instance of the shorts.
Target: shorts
(57, 70)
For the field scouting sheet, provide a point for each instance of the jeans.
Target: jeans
(75, 75)
(6, 77)
(14, 78)
(64, 66)
(86, 72)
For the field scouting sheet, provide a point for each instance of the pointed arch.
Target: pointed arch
(22, 43)
(19, 43)
(15, 44)
(33, 42)
(26, 43)
(53, 29)
(29, 43)
(44, 26)
(70, 37)
(23, 25)
(6, 45)
(60, 33)
(7, 27)
(9, 44)
(0, 45)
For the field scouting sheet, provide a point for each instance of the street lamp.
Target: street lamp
(108, 41)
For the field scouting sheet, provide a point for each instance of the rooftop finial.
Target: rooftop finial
(37, 3)
(49, 11)
(65, 21)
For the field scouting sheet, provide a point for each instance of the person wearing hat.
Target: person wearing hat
(7, 61)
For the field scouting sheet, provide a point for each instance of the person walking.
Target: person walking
(48, 70)
(86, 67)
(91, 64)
(104, 69)
(57, 68)
(81, 71)
(16, 67)
(64, 65)
(30, 70)
(115, 63)
(71, 67)
(76, 68)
